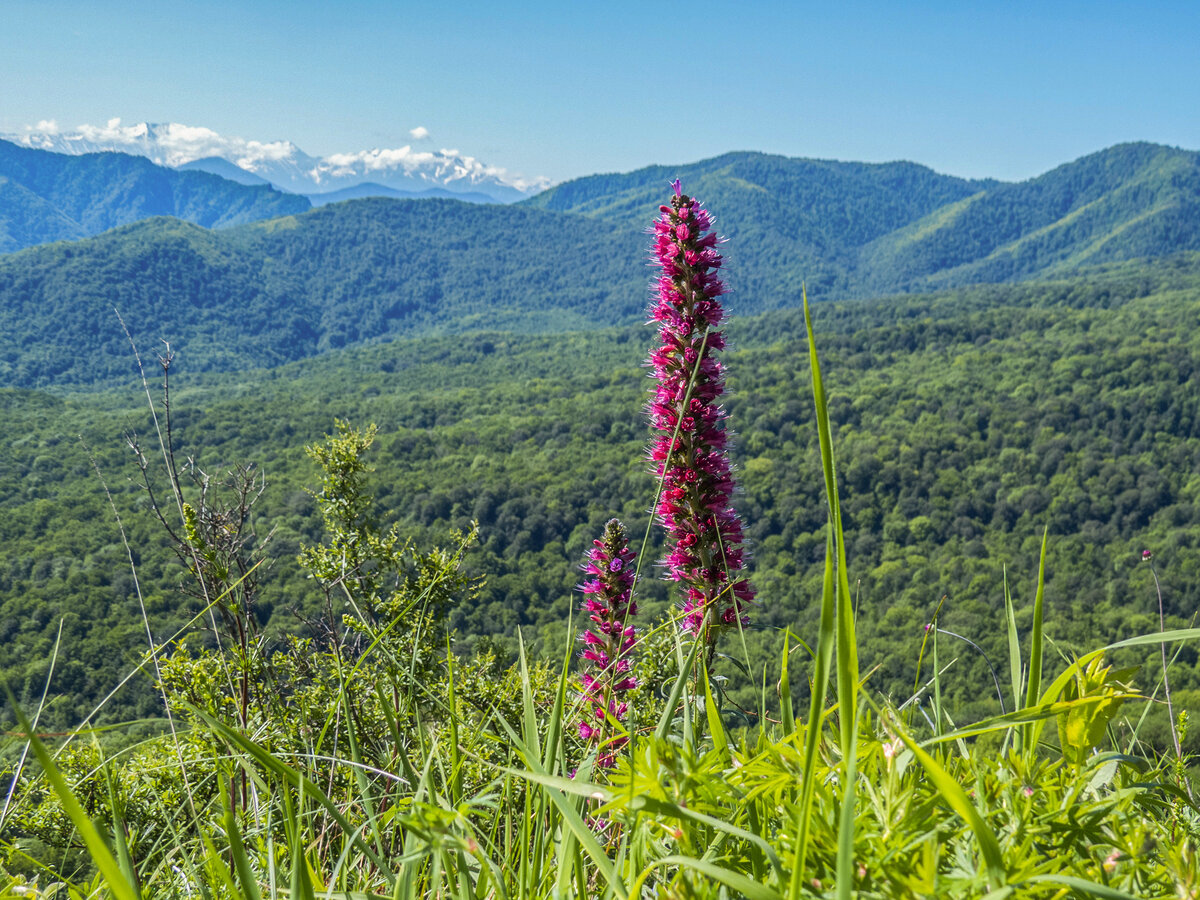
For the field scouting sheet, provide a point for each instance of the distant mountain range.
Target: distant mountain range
(407, 169)
(47, 196)
(53, 197)
(570, 258)
(226, 169)
(370, 189)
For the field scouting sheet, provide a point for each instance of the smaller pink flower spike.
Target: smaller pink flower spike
(608, 643)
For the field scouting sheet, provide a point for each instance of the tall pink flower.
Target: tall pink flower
(609, 604)
(704, 534)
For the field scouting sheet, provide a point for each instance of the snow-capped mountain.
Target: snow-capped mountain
(284, 164)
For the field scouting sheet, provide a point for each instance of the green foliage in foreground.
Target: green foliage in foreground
(387, 768)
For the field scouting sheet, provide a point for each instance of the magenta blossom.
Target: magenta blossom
(608, 603)
(704, 535)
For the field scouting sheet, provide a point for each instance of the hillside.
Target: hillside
(857, 229)
(801, 217)
(965, 423)
(1130, 201)
(378, 269)
(291, 288)
(370, 189)
(48, 196)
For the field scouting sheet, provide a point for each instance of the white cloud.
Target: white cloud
(113, 132)
(377, 160)
(420, 133)
(171, 144)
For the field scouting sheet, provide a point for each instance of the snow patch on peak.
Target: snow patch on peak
(282, 162)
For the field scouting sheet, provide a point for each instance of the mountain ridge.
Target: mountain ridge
(374, 269)
(73, 197)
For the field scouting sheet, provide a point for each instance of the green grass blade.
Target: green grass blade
(456, 762)
(300, 886)
(575, 786)
(554, 729)
(664, 721)
(847, 643)
(1016, 670)
(716, 727)
(570, 862)
(566, 851)
(1082, 885)
(742, 885)
(124, 857)
(786, 713)
(218, 872)
(845, 852)
(1034, 685)
(812, 733)
(530, 721)
(237, 849)
(937, 680)
(1007, 721)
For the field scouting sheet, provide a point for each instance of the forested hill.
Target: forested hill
(48, 196)
(857, 229)
(292, 287)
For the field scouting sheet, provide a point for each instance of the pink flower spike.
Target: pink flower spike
(606, 646)
(704, 537)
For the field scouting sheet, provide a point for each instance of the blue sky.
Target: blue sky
(1000, 89)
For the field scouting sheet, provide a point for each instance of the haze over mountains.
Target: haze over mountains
(409, 168)
(288, 287)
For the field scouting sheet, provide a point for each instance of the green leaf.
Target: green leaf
(957, 799)
(715, 726)
(745, 887)
(812, 733)
(1035, 644)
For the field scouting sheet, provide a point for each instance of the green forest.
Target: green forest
(968, 422)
